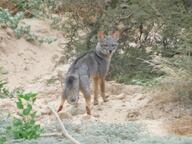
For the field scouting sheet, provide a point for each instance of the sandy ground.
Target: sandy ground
(36, 67)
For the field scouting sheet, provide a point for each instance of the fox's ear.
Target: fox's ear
(100, 36)
(115, 35)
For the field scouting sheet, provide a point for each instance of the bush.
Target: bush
(154, 27)
(146, 24)
(25, 125)
(8, 19)
(4, 92)
(11, 21)
(29, 7)
(178, 80)
(2, 140)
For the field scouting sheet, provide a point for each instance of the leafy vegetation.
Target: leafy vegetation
(25, 125)
(4, 92)
(145, 32)
(178, 79)
(25, 31)
(12, 21)
(28, 7)
(148, 28)
(8, 19)
(2, 140)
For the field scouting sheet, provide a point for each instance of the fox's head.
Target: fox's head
(107, 45)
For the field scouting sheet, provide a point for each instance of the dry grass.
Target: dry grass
(178, 76)
(181, 126)
(8, 4)
(176, 85)
(163, 97)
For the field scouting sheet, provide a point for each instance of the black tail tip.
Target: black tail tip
(70, 79)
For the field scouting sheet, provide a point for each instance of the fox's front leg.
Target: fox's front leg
(61, 104)
(102, 88)
(88, 104)
(95, 91)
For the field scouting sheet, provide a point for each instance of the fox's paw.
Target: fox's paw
(60, 108)
(88, 110)
(105, 100)
(95, 102)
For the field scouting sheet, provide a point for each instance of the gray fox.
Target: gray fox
(91, 65)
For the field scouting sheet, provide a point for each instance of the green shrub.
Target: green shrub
(4, 92)
(29, 7)
(25, 31)
(22, 31)
(154, 27)
(8, 19)
(2, 140)
(25, 126)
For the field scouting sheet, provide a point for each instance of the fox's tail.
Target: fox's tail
(71, 91)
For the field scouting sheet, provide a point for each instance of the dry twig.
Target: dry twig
(51, 134)
(64, 131)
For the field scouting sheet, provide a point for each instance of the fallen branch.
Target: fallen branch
(51, 134)
(64, 131)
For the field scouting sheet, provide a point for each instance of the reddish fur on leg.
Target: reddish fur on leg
(95, 91)
(60, 108)
(88, 110)
(61, 104)
(88, 104)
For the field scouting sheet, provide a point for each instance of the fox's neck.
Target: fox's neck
(101, 55)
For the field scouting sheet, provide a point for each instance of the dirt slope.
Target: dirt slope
(25, 62)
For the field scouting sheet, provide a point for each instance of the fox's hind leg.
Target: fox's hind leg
(88, 104)
(61, 103)
(85, 89)
(87, 97)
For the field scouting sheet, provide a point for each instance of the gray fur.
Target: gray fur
(92, 63)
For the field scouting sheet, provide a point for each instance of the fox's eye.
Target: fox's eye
(105, 45)
(113, 45)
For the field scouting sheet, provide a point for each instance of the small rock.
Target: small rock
(86, 117)
(99, 108)
(10, 32)
(26, 68)
(20, 54)
(4, 71)
(2, 45)
(120, 96)
(149, 115)
(96, 115)
(133, 115)
(65, 115)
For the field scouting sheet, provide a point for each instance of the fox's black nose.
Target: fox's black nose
(110, 51)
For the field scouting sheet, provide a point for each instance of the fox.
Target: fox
(92, 65)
